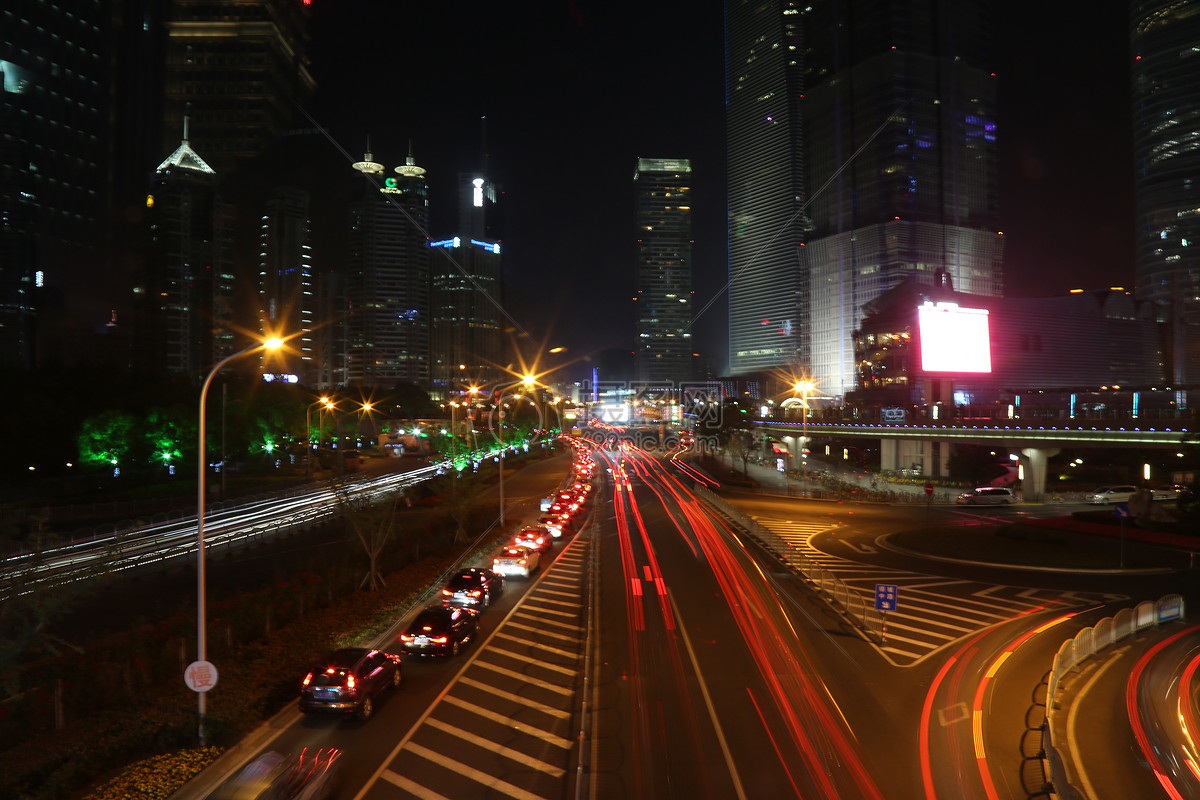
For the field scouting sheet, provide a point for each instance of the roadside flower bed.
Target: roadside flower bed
(157, 777)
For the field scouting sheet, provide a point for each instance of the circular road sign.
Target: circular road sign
(929, 488)
(200, 676)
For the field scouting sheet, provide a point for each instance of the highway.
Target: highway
(663, 653)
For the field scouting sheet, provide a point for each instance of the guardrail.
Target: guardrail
(853, 605)
(1085, 644)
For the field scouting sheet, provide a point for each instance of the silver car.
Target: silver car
(988, 495)
(1112, 494)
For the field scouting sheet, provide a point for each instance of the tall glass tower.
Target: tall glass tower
(387, 284)
(768, 279)
(663, 291)
(1165, 39)
(887, 169)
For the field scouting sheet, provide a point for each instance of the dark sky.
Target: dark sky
(575, 91)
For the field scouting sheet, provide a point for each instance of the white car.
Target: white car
(988, 495)
(516, 560)
(1112, 494)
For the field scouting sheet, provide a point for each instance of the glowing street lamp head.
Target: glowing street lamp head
(274, 343)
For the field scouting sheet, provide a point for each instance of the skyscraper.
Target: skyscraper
(237, 69)
(663, 286)
(286, 286)
(53, 188)
(387, 278)
(768, 280)
(889, 108)
(1165, 45)
(183, 293)
(467, 291)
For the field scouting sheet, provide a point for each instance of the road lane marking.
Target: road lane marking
(482, 778)
(516, 698)
(509, 722)
(536, 662)
(498, 749)
(553, 687)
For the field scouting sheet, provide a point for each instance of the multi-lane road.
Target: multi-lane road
(663, 654)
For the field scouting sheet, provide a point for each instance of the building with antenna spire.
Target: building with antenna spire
(183, 290)
(387, 277)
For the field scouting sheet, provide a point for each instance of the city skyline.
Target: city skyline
(1047, 99)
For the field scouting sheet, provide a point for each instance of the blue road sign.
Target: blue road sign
(886, 596)
(1121, 511)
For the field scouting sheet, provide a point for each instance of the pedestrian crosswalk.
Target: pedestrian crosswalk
(931, 612)
(503, 727)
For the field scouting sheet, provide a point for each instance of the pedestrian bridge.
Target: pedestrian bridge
(928, 443)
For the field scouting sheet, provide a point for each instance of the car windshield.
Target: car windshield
(460, 582)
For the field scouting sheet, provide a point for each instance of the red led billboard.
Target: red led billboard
(954, 339)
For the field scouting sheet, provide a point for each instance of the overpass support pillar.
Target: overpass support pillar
(1033, 463)
(925, 456)
(889, 455)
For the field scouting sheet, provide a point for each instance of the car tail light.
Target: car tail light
(405, 637)
(440, 640)
(308, 679)
(447, 592)
(476, 593)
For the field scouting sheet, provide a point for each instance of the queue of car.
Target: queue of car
(350, 681)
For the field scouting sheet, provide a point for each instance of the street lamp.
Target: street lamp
(528, 382)
(326, 403)
(201, 675)
(804, 387)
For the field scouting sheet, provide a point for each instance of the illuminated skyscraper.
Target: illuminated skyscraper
(53, 187)
(467, 292)
(183, 294)
(663, 290)
(237, 69)
(387, 278)
(862, 150)
(1165, 45)
(286, 286)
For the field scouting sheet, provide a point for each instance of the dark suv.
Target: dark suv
(347, 681)
(473, 587)
(439, 630)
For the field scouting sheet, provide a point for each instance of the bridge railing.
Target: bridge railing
(1074, 651)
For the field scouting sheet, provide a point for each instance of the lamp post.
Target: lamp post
(200, 675)
(804, 387)
(325, 402)
(528, 381)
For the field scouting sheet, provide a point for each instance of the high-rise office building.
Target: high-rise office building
(663, 286)
(768, 279)
(1165, 50)
(387, 278)
(183, 292)
(885, 169)
(237, 69)
(467, 292)
(287, 290)
(53, 188)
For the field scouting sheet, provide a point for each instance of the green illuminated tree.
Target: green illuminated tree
(107, 437)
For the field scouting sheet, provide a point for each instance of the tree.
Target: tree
(371, 521)
(107, 437)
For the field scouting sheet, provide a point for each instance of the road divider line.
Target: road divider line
(509, 722)
(482, 778)
(498, 749)
(516, 698)
(512, 673)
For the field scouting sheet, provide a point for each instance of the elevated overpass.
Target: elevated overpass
(928, 443)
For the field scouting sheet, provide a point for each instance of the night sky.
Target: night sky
(574, 92)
